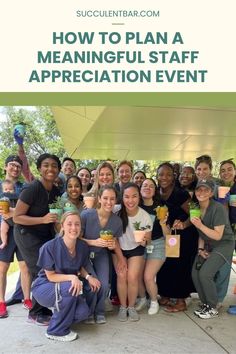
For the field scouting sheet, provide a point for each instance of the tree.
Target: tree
(41, 134)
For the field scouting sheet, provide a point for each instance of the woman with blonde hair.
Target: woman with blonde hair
(58, 284)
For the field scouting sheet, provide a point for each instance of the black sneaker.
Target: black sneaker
(12, 301)
(40, 320)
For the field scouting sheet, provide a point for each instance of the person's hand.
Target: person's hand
(164, 220)
(143, 243)
(50, 217)
(178, 225)
(76, 286)
(196, 222)
(3, 245)
(94, 283)
(203, 253)
(111, 244)
(18, 137)
(99, 242)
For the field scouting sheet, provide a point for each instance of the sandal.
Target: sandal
(165, 301)
(179, 306)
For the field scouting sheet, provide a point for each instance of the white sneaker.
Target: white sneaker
(200, 309)
(154, 308)
(133, 315)
(67, 338)
(141, 304)
(208, 312)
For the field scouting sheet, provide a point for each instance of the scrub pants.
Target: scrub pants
(68, 309)
(222, 281)
(204, 278)
(101, 267)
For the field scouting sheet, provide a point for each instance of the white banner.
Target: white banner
(75, 46)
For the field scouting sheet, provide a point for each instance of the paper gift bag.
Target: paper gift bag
(173, 245)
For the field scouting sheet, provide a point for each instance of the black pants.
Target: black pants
(29, 245)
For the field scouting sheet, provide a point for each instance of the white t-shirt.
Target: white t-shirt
(127, 241)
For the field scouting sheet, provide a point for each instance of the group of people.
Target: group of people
(70, 266)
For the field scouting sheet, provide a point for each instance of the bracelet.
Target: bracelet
(87, 276)
(200, 249)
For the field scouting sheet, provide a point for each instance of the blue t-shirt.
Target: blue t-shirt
(91, 227)
(54, 256)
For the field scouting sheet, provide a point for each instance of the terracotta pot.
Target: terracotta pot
(222, 191)
(89, 202)
(139, 235)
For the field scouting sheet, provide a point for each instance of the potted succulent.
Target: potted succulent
(194, 210)
(89, 200)
(140, 231)
(57, 207)
(224, 188)
(106, 235)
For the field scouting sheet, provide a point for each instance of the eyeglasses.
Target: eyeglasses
(14, 165)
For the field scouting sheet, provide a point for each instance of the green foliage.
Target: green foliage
(106, 232)
(41, 134)
(57, 204)
(137, 226)
(194, 205)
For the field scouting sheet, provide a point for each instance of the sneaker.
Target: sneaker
(100, 319)
(154, 308)
(40, 320)
(90, 320)
(200, 309)
(67, 338)
(133, 315)
(208, 312)
(232, 310)
(11, 302)
(141, 304)
(122, 314)
(3, 310)
(108, 305)
(27, 304)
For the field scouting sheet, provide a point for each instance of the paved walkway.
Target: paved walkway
(162, 333)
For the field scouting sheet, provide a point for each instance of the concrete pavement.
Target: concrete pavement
(165, 333)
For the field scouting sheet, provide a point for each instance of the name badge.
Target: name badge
(149, 248)
(92, 255)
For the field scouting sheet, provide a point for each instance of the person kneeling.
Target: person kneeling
(58, 284)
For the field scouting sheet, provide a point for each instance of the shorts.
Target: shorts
(138, 251)
(8, 252)
(158, 251)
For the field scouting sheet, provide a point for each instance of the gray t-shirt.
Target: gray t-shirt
(217, 215)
